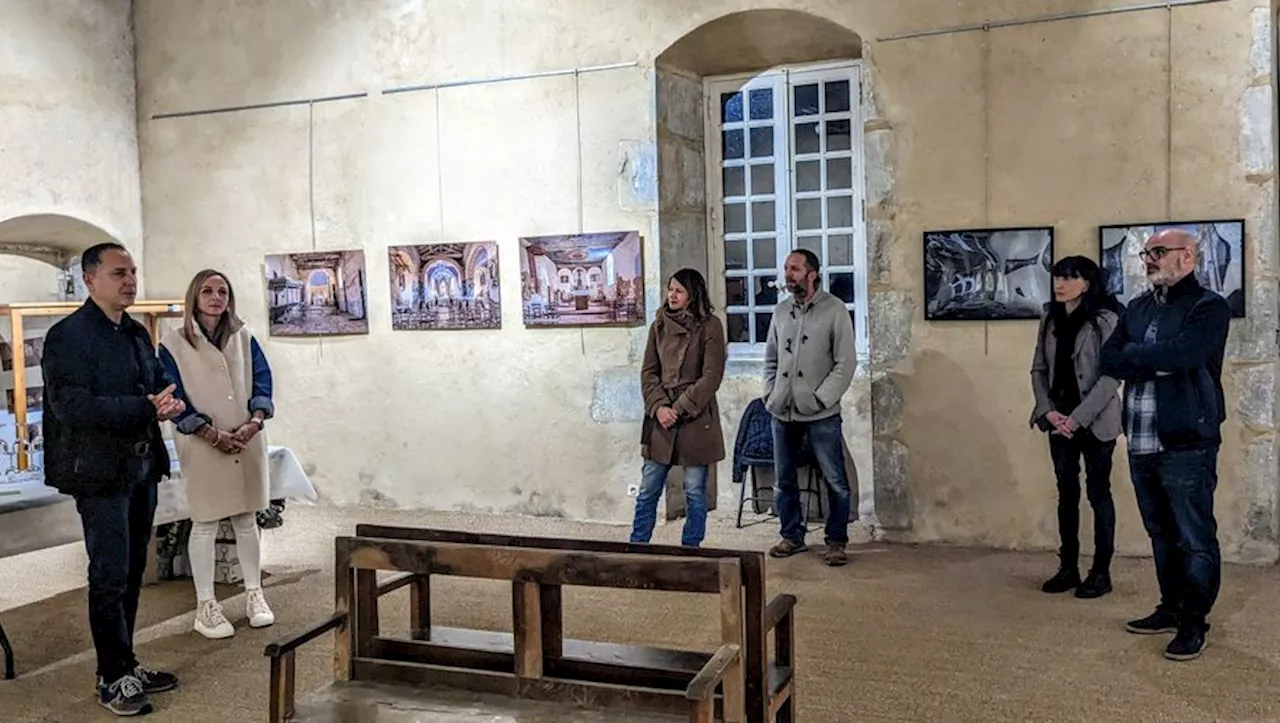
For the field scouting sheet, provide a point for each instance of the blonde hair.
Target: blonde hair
(228, 322)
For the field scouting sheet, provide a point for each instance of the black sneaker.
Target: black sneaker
(1188, 643)
(155, 681)
(1157, 622)
(124, 697)
(1095, 585)
(1062, 582)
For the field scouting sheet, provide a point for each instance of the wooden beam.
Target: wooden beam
(548, 567)
(343, 591)
(420, 607)
(731, 631)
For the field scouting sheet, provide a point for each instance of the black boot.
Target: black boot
(1063, 581)
(1096, 584)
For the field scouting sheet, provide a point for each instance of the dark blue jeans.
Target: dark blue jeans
(1175, 496)
(117, 529)
(826, 441)
(654, 479)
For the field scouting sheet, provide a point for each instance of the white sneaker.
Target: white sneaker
(211, 623)
(255, 607)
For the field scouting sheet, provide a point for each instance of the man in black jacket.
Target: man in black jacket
(1168, 351)
(105, 394)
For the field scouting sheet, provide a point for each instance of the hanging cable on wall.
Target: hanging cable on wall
(311, 195)
(577, 128)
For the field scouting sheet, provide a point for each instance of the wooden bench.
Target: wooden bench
(535, 664)
(770, 683)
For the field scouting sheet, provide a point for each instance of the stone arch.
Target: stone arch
(748, 43)
(54, 239)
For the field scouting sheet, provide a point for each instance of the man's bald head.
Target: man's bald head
(1170, 255)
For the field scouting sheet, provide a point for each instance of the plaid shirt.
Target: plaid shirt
(1140, 412)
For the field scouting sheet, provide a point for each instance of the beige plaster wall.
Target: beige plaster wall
(1061, 123)
(69, 166)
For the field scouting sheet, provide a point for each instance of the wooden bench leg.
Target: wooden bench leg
(552, 621)
(420, 607)
(8, 655)
(282, 690)
(527, 616)
(703, 711)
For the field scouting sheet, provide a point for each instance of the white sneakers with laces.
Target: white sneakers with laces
(210, 622)
(255, 607)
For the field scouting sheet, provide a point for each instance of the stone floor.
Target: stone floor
(321, 320)
(903, 633)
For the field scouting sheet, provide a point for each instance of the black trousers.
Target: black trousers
(1097, 456)
(117, 529)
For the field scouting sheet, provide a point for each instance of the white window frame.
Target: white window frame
(782, 80)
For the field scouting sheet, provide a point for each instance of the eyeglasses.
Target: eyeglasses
(1155, 253)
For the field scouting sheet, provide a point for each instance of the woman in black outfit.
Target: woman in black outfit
(1081, 412)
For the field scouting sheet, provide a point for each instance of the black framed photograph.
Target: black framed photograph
(1221, 268)
(992, 274)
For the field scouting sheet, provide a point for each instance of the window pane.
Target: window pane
(837, 96)
(762, 179)
(762, 216)
(807, 138)
(731, 144)
(737, 330)
(840, 173)
(809, 176)
(735, 181)
(806, 97)
(812, 243)
(809, 213)
(761, 142)
(731, 107)
(766, 253)
(765, 293)
(735, 254)
(762, 325)
(838, 135)
(762, 104)
(840, 212)
(841, 286)
(735, 218)
(840, 249)
(735, 291)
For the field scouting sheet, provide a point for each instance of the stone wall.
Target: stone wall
(69, 168)
(1114, 118)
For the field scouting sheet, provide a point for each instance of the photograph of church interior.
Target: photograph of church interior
(582, 279)
(320, 292)
(445, 286)
(442, 524)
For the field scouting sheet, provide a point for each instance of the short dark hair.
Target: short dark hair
(810, 259)
(91, 259)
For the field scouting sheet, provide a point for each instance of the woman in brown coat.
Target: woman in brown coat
(223, 376)
(683, 366)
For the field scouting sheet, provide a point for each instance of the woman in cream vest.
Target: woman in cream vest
(224, 379)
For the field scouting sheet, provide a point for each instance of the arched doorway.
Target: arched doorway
(761, 151)
(39, 263)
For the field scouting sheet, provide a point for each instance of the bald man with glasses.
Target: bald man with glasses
(1168, 349)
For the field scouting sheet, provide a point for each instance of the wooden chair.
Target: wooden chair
(770, 684)
(534, 665)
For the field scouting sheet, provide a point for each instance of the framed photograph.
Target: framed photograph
(1221, 258)
(987, 274)
(445, 286)
(317, 293)
(594, 279)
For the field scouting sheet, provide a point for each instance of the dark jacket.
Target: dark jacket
(99, 426)
(683, 366)
(1185, 361)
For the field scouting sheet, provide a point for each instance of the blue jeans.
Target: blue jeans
(117, 530)
(826, 441)
(1175, 496)
(695, 503)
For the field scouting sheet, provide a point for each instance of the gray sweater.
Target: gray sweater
(809, 358)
